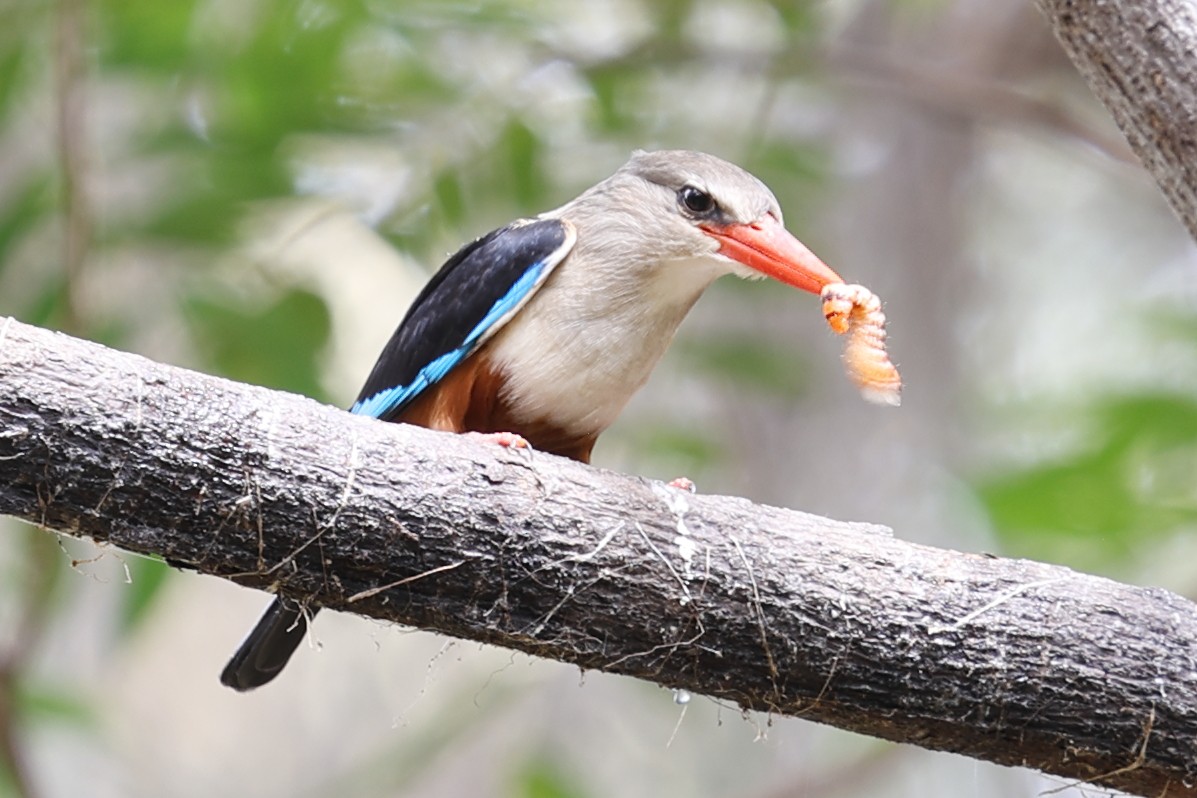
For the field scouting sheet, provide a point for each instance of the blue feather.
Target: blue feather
(390, 399)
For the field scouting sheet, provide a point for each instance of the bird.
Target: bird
(539, 332)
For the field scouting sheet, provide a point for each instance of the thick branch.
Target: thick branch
(1140, 59)
(1006, 660)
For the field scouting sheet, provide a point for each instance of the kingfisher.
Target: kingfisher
(538, 333)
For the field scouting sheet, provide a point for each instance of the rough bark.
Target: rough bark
(1140, 59)
(1010, 661)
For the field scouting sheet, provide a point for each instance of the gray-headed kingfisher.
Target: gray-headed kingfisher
(544, 329)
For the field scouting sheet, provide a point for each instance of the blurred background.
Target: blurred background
(256, 188)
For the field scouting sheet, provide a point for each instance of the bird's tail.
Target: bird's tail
(268, 647)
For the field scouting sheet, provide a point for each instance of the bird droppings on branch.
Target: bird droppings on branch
(674, 495)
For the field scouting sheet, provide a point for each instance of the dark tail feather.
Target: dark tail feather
(268, 647)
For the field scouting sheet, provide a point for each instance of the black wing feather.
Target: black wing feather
(442, 325)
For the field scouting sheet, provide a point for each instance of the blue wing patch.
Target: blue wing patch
(387, 401)
(473, 295)
(391, 400)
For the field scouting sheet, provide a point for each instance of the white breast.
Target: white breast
(590, 337)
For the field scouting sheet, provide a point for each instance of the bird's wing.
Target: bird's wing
(474, 294)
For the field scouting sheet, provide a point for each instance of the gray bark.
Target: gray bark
(1140, 59)
(1010, 661)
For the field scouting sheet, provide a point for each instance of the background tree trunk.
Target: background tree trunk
(1140, 59)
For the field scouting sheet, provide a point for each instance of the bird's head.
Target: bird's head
(687, 206)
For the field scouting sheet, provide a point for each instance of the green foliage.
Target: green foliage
(544, 779)
(46, 703)
(244, 340)
(12, 62)
(1131, 482)
(148, 36)
(28, 205)
(523, 152)
(750, 363)
(146, 580)
(686, 449)
(8, 784)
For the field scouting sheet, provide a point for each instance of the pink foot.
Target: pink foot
(508, 440)
(684, 483)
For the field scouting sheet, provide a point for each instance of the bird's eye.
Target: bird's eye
(695, 200)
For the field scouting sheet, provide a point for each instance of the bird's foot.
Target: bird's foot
(508, 440)
(684, 483)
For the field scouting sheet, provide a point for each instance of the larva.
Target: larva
(855, 310)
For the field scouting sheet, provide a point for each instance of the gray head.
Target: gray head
(703, 187)
(680, 205)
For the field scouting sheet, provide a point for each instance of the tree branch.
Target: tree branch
(1138, 59)
(1010, 661)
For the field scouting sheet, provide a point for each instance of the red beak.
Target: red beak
(769, 248)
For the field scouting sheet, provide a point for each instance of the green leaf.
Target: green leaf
(799, 17)
(55, 704)
(277, 344)
(748, 362)
(1132, 481)
(12, 63)
(544, 779)
(610, 83)
(146, 33)
(447, 188)
(27, 206)
(523, 155)
(686, 450)
(146, 578)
